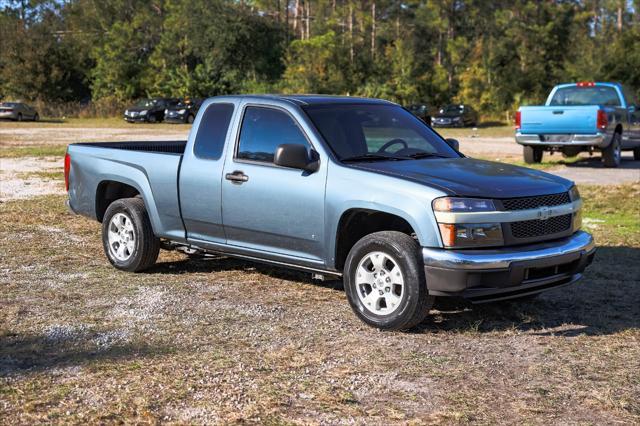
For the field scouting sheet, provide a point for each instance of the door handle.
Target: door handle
(236, 177)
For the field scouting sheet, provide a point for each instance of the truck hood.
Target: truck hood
(471, 177)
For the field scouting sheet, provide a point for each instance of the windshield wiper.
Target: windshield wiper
(426, 155)
(372, 157)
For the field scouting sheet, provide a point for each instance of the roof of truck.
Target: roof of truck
(318, 99)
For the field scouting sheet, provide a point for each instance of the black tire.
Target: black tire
(152, 118)
(19, 117)
(636, 154)
(190, 119)
(36, 117)
(146, 245)
(404, 252)
(532, 154)
(612, 154)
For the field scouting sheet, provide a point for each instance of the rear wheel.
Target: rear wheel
(190, 118)
(532, 154)
(152, 118)
(19, 116)
(36, 117)
(384, 281)
(612, 155)
(127, 236)
(636, 154)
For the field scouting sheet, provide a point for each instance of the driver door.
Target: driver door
(265, 207)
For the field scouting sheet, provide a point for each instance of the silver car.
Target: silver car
(17, 111)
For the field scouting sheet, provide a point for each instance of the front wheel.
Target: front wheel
(532, 154)
(127, 236)
(36, 117)
(636, 154)
(190, 119)
(385, 283)
(612, 155)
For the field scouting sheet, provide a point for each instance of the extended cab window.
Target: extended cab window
(212, 131)
(263, 129)
(598, 95)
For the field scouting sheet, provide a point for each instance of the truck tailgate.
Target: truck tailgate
(559, 119)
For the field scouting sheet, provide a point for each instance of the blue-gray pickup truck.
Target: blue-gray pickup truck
(584, 116)
(339, 187)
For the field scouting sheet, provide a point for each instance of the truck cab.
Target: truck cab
(584, 116)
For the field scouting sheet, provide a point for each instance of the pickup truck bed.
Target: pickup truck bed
(164, 147)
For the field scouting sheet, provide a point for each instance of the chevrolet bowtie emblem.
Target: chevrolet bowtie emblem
(544, 213)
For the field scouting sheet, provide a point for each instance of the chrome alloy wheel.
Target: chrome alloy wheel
(379, 283)
(122, 237)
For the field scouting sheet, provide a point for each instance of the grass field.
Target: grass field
(219, 340)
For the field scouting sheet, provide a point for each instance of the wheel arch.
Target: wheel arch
(357, 222)
(109, 191)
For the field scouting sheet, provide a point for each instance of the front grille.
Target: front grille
(538, 228)
(535, 202)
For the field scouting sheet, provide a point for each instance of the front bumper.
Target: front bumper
(136, 119)
(599, 139)
(497, 274)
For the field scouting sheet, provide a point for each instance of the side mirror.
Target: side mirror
(453, 143)
(296, 156)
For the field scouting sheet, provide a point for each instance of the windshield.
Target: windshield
(146, 103)
(599, 95)
(8, 104)
(452, 108)
(389, 130)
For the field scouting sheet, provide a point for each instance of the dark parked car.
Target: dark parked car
(18, 111)
(149, 110)
(456, 116)
(422, 111)
(184, 112)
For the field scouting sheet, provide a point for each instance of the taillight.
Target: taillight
(603, 121)
(67, 169)
(518, 120)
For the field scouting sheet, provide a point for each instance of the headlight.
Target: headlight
(126, 112)
(574, 194)
(144, 112)
(458, 235)
(166, 111)
(182, 111)
(452, 204)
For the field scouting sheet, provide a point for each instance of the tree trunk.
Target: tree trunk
(351, 53)
(296, 6)
(373, 30)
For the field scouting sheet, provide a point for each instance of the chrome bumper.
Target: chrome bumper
(502, 258)
(599, 139)
(495, 274)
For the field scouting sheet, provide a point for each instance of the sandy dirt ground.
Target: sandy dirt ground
(28, 177)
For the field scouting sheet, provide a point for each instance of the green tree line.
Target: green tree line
(494, 55)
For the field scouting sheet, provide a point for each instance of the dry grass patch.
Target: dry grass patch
(219, 340)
